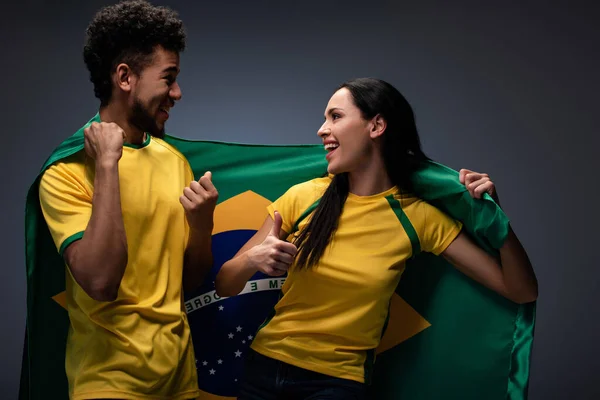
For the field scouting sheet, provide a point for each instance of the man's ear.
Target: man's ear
(378, 126)
(123, 77)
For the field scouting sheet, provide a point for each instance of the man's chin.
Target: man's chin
(149, 126)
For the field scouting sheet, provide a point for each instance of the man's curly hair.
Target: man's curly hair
(128, 32)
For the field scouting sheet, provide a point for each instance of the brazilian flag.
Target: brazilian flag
(447, 336)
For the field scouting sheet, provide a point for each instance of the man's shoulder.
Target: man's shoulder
(69, 166)
(168, 149)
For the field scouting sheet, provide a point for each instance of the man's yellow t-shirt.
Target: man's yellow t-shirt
(138, 346)
(330, 318)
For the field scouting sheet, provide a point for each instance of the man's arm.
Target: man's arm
(198, 259)
(199, 201)
(97, 261)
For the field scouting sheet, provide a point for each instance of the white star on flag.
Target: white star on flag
(250, 337)
(221, 308)
(212, 371)
(243, 342)
(238, 353)
(230, 336)
(219, 361)
(239, 328)
(205, 363)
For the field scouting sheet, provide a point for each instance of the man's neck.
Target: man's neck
(114, 113)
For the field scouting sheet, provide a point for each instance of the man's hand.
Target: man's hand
(104, 142)
(199, 201)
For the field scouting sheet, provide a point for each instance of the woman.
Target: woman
(344, 260)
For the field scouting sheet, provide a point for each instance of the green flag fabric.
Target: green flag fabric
(447, 336)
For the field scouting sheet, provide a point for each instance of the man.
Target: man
(126, 219)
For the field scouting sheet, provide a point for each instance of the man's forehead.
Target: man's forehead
(166, 59)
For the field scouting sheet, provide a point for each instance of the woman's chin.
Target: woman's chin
(333, 169)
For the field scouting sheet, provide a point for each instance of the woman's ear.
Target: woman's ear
(378, 125)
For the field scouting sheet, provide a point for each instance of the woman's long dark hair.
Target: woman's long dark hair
(402, 156)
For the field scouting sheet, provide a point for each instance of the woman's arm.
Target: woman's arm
(265, 252)
(513, 277)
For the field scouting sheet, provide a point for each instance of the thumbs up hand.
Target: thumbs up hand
(273, 256)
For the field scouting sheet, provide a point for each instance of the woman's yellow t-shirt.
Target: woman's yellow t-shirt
(330, 318)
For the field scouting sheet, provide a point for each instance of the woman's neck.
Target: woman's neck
(369, 179)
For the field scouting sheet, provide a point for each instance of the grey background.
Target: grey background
(509, 89)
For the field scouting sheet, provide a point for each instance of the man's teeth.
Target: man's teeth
(331, 146)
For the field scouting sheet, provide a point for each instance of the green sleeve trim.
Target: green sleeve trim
(408, 227)
(69, 240)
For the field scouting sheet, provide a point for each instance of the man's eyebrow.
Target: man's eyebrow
(171, 69)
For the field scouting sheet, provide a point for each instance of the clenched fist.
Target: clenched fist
(104, 141)
(273, 256)
(199, 201)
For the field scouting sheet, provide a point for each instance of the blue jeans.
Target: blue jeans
(269, 379)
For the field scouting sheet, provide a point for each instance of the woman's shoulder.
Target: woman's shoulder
(413, 205)
(423, 213)
(409, 200)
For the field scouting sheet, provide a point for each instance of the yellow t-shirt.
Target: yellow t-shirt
(138, 346)
(330, 318)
